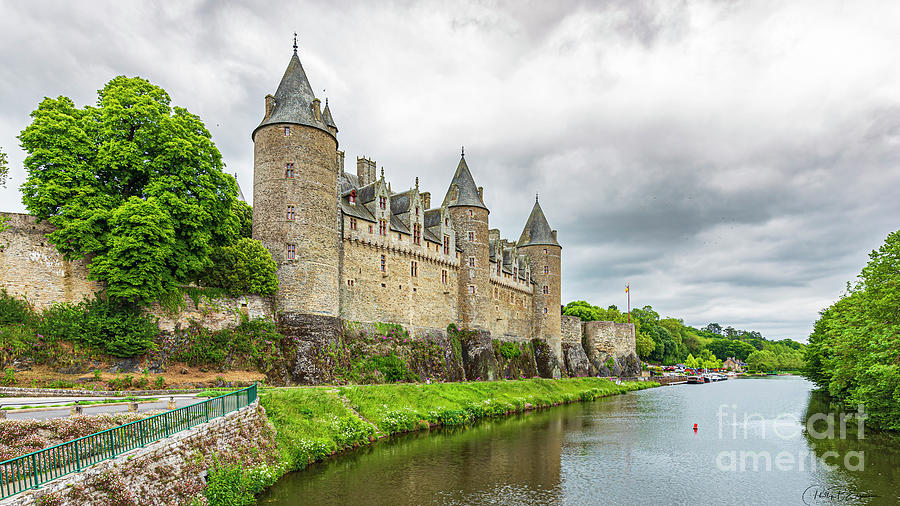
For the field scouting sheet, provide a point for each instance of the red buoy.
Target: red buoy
(695, 427)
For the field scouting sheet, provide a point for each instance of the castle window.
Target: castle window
(399, 236)
(289, 171)
(382, 202)
(495, 292)
(471, 289)
(471, 236)
(471, 261)
(350, 282)
(444, 276)
(352, 196)
(447, 222)
(545, 251)
(515, 273)
(287, 131)
(417, 210)
(417, 233)
(446, 244)
(290, 212)
(352, 223)
(498, 267)
(471, 213)
(414, 269)
(382, 227)
(546, 289)
(291, 251)
(545, 310)
(370, 228)
(546, 269)
(383, 264)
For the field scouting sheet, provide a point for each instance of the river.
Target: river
(637, 448)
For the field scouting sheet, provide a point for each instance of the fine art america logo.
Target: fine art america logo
(819, 426)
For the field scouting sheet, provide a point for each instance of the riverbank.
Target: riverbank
(313, 424)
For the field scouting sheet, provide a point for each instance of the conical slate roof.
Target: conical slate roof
(468, 192)
(294, 99)
(537, 230)
(326, 116)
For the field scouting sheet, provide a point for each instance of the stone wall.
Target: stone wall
(213, 314)
(396, 295)
(32, 269)
(610, 347)
(169, 471)
(511, 304)
(571, 330)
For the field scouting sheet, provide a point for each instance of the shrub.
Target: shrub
(116, 328)
(159, 383)
(244, 267)
(227, 486)
(9, 377)
(510, 350)
(14, 311)
(255, 341)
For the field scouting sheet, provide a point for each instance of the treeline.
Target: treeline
(854, 349)
(669, 341)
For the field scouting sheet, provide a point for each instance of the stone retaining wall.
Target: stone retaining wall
(169, 471)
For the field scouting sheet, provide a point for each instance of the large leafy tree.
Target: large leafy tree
(854, 350)
(133, 184)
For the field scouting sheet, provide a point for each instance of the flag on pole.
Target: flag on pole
(626, 288)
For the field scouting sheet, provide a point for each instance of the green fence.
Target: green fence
(37, 468)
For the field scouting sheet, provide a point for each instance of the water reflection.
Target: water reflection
(637, 448)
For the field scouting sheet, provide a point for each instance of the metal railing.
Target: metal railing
(36, 468)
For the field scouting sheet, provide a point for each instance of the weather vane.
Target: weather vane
(462, 151)
(295, 42)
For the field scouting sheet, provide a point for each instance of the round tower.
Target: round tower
(470, 220)
(295, 204)
(538, 243)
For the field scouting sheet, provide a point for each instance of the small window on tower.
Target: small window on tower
(471, 261)
(370, 229)
(287, 131)
(545, 310)
(546, 289)
(352, 223)
(291, 251)
(446, 222)
(290, 212)
(289, 171)
(471, 289)
(546, 269)
(471, 213)
(417, 210)
(471, 236)
(383, 263)
(545, 251)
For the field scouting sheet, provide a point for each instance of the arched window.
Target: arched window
(352, 196)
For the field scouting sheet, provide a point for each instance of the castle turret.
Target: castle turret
(295, 207)
(470, 221)
(543, 252)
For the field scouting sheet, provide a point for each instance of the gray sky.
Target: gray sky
(734, 161)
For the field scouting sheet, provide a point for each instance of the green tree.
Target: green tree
(244, 213)
(88, 167)
(4, 169)
(762, 360)
(244, 267)
(691, 362)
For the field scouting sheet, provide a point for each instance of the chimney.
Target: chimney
(426, 199)
(481, 193)
(270, 105)
(494, 234)
(553, 232)
(365, 171)
(340, 162)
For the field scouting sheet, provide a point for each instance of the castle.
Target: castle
(350, 248)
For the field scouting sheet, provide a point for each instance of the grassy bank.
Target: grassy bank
(315, 423)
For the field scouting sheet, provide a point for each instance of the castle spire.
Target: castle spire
(294, 99)
(537, 230)
(467, 191)
(327, 118)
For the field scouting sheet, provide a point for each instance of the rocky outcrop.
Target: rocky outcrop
(310, 335)
(478, 355)
(547, 363)
(576, 361)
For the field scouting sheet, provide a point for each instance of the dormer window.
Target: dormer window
(417, 211)
(382, 202)
(352, 196)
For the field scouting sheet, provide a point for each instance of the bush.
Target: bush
(14, 311)
(255, 341)
(244, 267)
(9, 377)
(510, 350)
(227, 486)
(115, 328)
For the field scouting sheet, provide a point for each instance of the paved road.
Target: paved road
(94, 409)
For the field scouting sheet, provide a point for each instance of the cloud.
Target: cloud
(733, 161)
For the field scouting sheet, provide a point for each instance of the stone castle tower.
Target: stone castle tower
(295, 211)
(350, 248)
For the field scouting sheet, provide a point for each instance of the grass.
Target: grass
(314, 423)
